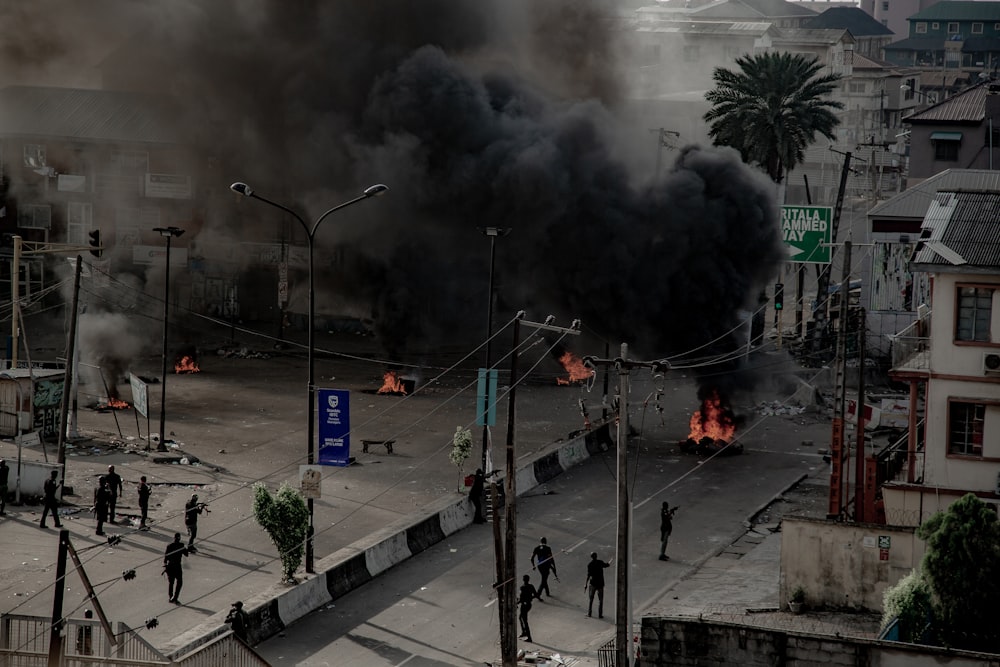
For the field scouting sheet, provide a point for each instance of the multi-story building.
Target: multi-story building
(950, 35)
(950, 357)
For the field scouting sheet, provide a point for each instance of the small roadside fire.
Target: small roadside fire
(392, 384)
(578, 372)
(712, 427)
(186, 364)
(114, 404)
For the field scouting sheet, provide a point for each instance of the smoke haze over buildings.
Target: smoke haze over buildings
(476, 114)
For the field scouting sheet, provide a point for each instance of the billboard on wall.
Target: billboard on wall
(808, 233)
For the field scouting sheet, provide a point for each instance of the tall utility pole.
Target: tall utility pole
(68, 373)
(506, 583)
(493, 233)
(823, 283)
(838, 453)
(623, 592)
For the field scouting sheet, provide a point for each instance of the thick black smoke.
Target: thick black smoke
(476, 114)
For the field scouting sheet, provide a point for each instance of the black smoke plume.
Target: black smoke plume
(475, 113)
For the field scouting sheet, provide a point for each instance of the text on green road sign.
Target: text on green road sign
(807, 232)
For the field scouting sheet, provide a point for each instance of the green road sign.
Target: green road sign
(807, 232)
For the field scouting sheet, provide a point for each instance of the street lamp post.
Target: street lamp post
(493, 233)
(247, 191)
(168, 233)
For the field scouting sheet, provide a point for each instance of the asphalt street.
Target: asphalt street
(241, 420)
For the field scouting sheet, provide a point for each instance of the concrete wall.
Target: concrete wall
(844, 565)
(681, 642)
(358, 563)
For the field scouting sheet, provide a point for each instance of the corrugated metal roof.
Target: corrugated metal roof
(969, 106)
(98, 115)
(814, 36)
(754, 8)
(959, 10)
(967, 225)
(913, 202)
(707, 28)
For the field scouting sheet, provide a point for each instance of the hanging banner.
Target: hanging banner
(486, 395)
(334, 427)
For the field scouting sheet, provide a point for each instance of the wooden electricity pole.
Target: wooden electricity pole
(506, 553)
(623, 591)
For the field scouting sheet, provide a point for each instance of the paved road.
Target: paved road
(438, 609)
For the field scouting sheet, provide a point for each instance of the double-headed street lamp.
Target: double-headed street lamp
(247, 191)
(168, 233)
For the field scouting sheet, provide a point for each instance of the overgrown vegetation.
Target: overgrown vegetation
(951, 599)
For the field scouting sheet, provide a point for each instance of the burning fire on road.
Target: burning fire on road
(395, 385)
(578, 373)
(712, 427)
(113, 403)
(186, 364)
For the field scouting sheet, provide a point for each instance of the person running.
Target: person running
(172, 567)
(666, 527)
(50, 503)
(527, 594)
(595, 582)
(115, 487)
(144, 493)
(544, 561)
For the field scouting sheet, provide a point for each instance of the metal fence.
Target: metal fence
(24, 642)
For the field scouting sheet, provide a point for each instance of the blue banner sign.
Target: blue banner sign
(334, 427)
(486, 397)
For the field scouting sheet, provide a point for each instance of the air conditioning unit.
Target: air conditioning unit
(991, 363)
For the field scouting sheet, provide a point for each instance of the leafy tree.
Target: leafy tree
(772, 108)
(285, 517)
(909, 601)
(461, 450)
(962, 567)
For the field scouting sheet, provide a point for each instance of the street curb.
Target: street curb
(354, 565)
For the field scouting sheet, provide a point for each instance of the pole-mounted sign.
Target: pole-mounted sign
(807, 232)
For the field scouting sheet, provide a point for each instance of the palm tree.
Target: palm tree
(772, 108)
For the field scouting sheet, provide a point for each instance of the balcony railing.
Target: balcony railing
(911, 347)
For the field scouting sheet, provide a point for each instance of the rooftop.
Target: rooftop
(855, 19)
(959, 10)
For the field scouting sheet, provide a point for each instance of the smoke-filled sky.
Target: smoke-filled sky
(476, 113)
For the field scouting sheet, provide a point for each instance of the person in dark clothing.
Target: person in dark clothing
(114, 481)
(172, 567)
(238, 621)
(527, 594)
(102, 503)
(476, 496)
(191, 511)
(50, 503)
(595, 580)
(543, 559)
(4, 478)
(666, 527)
(144, 493)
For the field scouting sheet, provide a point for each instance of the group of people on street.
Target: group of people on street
(543, 560)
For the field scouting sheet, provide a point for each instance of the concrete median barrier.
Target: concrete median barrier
(355, 565)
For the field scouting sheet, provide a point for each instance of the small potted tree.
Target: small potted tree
(797, 600)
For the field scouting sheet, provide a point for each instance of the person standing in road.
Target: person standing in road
(666, 527)
(114, 481)
(527, 594)
(50, 503)
(4, 477)
(595, 582)
(476, 493)
(102, 502)
(191, 511)
(144, 493)
(543, 560)
(172, 568)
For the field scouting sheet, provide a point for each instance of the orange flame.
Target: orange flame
(712, 421)
(116, 404)
(392, 384)
(186, 365)
(576, 369)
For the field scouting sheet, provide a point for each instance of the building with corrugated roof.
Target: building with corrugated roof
(950, 355)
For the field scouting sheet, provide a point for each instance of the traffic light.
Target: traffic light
(95, 243)
(779, 296)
